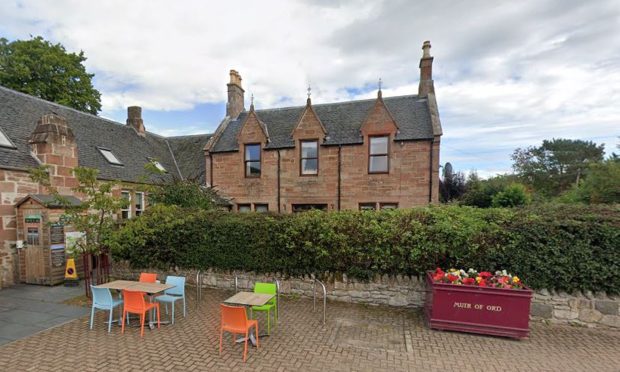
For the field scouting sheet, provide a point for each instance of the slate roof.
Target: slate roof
(342, 120)
(51, 201)
(18, 117)
(189, 154)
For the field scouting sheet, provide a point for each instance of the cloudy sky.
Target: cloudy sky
(507, 74)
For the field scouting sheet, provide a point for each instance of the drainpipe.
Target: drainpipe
(430, 173)
(278, 181)
(211, 170)
(339, 171)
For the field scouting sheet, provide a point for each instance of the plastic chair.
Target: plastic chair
(148, 278)
(235, 321)
(269, 288)
(135, 304)
(173, 294)
(103, 300)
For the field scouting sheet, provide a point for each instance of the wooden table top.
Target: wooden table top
(249, 299)
(131, 285)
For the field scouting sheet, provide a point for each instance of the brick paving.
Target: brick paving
(355, 338)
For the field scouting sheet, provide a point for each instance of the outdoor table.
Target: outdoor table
(250, 299)
(149, 288)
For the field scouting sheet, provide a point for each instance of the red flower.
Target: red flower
(452, 278)
(503, 279)
(485, 275)
(438, 275)
(482, 283)
(469, 281)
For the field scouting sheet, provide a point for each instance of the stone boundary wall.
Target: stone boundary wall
(587, 310)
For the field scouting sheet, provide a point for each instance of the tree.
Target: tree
(183, 193)
(451, 185)
(556, 165)
(95, 215)
(602, 184)
(45, 70)
(512, 196)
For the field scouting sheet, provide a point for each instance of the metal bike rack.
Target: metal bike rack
(198, 288)
(314, 297)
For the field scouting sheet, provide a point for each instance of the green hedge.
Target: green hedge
(555, 247)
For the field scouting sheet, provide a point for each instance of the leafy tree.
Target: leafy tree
(452, 184)
(184, 193)
(512, 196)
(480, 192)
(45, 70)
(95, 215)
(601, 186)
(556, 165)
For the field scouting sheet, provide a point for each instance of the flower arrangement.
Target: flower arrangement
(501, 279)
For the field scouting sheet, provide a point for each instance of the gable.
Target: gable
(253, 130)
(309, 125)
(379, 120)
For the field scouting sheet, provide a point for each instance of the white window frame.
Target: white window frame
(5, 141)
(140, 197)
(128, 209)
(109, 156)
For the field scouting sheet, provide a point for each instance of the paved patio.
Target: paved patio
(28, 309)
(355, 338)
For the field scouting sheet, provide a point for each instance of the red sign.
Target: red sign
(486, 310)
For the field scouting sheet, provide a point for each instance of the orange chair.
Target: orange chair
(235, 321)
(134, 303)
(148, 278)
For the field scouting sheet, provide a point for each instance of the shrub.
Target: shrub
(555, 247)
(512, 196)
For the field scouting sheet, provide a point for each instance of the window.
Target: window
(32, 236)
(252, 160)
(244, 207)
(378, 159)
(388, 205)
(261, 208)
(306, 207)
(309, 159)
(368, 206)
(158, 165)
(139, 203)
(126, 212)
(4, 141)
(109, 156)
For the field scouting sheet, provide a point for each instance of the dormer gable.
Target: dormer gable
(309, 124)
(253, 129)
(379, 119)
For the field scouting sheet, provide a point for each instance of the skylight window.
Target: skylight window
(4, 141)
(109, 156)
(158, 165)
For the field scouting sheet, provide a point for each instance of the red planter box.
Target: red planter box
(490, 311)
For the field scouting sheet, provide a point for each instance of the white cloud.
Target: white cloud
(508, 74)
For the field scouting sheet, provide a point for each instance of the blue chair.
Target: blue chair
(173, 294)
(103, 300)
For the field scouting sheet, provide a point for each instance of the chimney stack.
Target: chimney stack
(235, 104)
(134, 119)
(426, 71)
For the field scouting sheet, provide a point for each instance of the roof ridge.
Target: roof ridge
(102, 118)
(338, 103)
(189, 135)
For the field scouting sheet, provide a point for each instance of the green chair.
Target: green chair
(269, 288)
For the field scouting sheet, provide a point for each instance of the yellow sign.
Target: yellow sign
(70, 271)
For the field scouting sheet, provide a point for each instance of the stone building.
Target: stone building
(368, 154)
(35, 132)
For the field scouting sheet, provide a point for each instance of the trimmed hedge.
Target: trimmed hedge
(556, 247)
